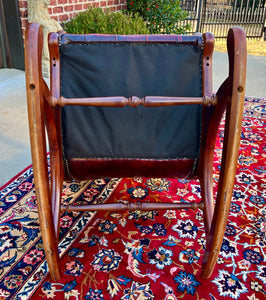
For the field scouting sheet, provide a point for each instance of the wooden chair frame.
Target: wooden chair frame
(44, 114)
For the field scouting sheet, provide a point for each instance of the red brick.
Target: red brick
(57, 10)
(68, 8)
(78, 7)
(63, 17)
(53, 2)
(103, 3)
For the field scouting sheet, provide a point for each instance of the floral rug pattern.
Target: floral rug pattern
(141, 255)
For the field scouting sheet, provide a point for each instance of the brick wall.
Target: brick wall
(62, 10)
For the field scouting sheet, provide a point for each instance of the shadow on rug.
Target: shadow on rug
(141, 255)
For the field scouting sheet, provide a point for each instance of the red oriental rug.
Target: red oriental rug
(141, 255)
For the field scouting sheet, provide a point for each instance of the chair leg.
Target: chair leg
(42, 187)
(216, 234)
(206, 183)
(49, 238)
(206, 160)
(56, 172)
(56, 188)
(225, 188)
(226, 183)
(236, 44)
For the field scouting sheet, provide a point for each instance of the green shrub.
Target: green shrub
(95, 20)
(162, 16)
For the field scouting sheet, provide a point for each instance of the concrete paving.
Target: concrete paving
(256, 73)
(14, 136)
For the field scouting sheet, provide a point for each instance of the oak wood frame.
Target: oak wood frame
(44, 113)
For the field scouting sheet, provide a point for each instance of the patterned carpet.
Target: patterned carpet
(141, 255)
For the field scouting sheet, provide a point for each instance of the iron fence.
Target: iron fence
(218, 16)
(191, 7)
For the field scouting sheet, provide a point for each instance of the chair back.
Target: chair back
(136, 68)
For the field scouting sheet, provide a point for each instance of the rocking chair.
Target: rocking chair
(124, 106)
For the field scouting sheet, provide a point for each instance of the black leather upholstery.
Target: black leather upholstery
(131, 69)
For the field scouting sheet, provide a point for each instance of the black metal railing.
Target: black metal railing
(218, 16)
